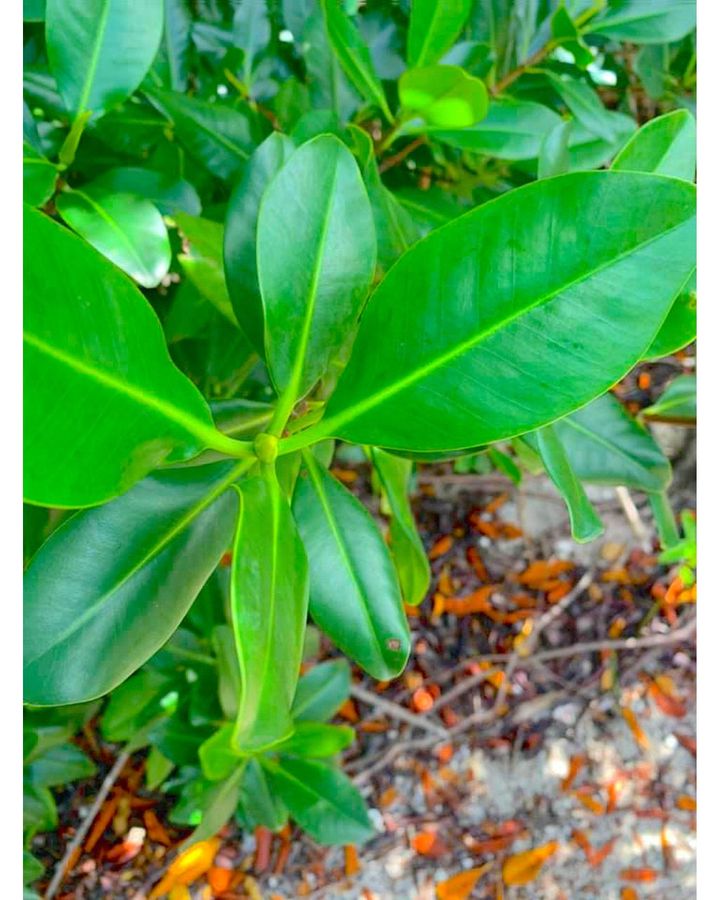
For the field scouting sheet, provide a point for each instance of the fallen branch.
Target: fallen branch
(397, 712)
(105, 788)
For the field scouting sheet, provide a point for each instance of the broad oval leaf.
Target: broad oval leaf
(680, 327)
(471, 328)
(269, 599)
(100, 50)
(316, 258)
(202, 261)
(220, 137)
(102, 384)
(605, 445)
(665, 145)
(239, 247)
(128, 230)
(322, 691)
(169, 193)
(111, 585)
(259, 804)
(354, 592)
(645, 21)
(444, 96)
(321, 799)
(314, 740)
(434, 28)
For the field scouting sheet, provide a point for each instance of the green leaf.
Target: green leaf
(348, 558)
(678, 403)
(59, 766)
(444, 96)
(239, 246)
(39, 810)
(316, 257)
(203, 261)
(157, 768)
(589, 151)
(126, 229)
(173, 61)
(220, 137)
(554, 156)
(252, 32)
(269, 598)
(312, 739)
(168, 193)
(680, 326)
(665, 145)
(328, 87)
(605, 445)
(434, 28)
(322, 691)
(354, 56)
(589, 110)
(223, 641)
(218, 755)
(258, 803)
(32, 868)
(218, 803)
(645, 21)
(584, 522)
(511, 130)
(406, 546)
(565, 32)
(322, 800)
(462, 343)
(39, 176)
(33, 10)
(666, 527)
(102, 384)
(100, 50)
(133, 704)
(136, 566)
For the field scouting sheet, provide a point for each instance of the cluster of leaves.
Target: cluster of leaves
(477, 302)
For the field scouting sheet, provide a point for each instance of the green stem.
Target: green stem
(664, 519)
(71, 142)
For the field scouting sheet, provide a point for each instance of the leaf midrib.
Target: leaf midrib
(349, 413)
(94, 57)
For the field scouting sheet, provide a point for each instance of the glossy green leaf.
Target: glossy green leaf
(258, 803)
(434, 28)
(133, 704)
(589, 151)
(468, 333)
(218, 756)
(584, 522)
(239, 247)
(39, 810)
(316, 257)
(511, 130)
(228, 670)
(157, 768)
(110, 586)
(220, 137)
(322, 691)
(252, 32)
(218, 804)
(443, 96)
(173, 62)
(322, 800)
(678, 402)
(354, 56)
(128, 230)
(269, 597)
(645, 21)
(328, 87)
(554, 156)
(32, 868)
(564, 30)
(348, 559)
(680, 327)
(202, 261)
(59, 766)
(101, 381)
(605, 445)
(314, 740)
(100, 50)
(406, 546)
(168, 193)
(589, 110)
(665, 145)
(240, 417)
(39, 176)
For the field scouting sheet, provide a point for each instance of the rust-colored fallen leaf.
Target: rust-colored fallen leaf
(644, 381)
(387, 797)
(441, 546)
(348, 711)
(478, 566)
(628, 893)
(593, 856)
(219, 878)
(686, 803)
(476, 602)
(374, 726)
(155, 829)
(557, 593)
(595, 806)
(352, 863)
(494, 505)
(490, 845)
(428, 843)
(540, 570)
(688, 742)
(445, 583)
(522, 868)
(641, 739)
(444, 752)
(460, 886)
(670, 706)
(190, 865)
(616, 576)
(103, 820)
(643, 875)
(510, 532)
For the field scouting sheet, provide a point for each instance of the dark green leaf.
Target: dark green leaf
(259, 804)
(100, 50)
(316, 257)
(322, 691)
(469, 335)
(251, 29)
(269, 609)
(228, 671)
(321, 800)
(157, 768)
(174, 58)
(39, 810)
(110, 586)
(348, 558)
(168, 193)
(133, 704)
(59, 766)
(434, 28)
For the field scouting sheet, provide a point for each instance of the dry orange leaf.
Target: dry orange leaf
(495, 504)
(539, 571)
(643, 381)
(595, 806)
(577, 761)
(441, 546)
(374, 726)
(445, 582)
(188, 866)
(155, 829)
(668, 705)
(423, 842)
(557, 593)
(105, 817)
(645, 875)
(460, 886)
(641, 739)
(628, 893)
(688, 742)
(444, 753)
(387, 797)
(477, 602)
(522, 868)
(352, 863)
(219, 879)
(348, 711)
(475, 560)
(687, 803)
